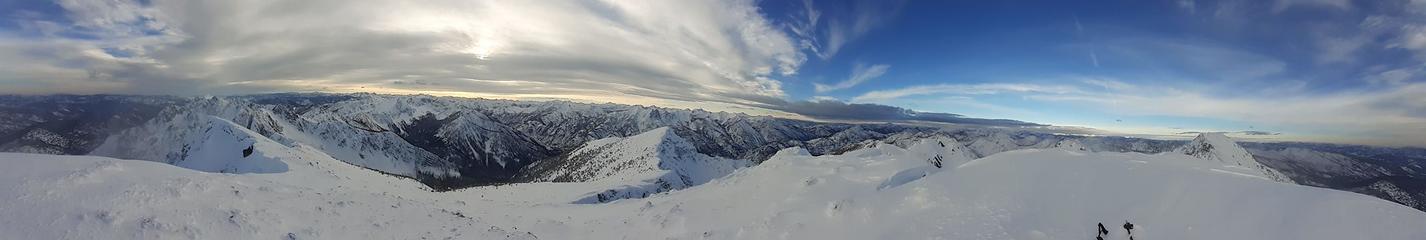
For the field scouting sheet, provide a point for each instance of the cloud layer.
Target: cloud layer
(1396, 116)
(721, 51)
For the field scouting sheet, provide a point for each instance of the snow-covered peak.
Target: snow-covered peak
(195, 141)
(636, 166)
(229, 148)
(1217, 147)
(1221, 149)
(938, 153)
(1071, 145)
(618, 159)
(941, 152)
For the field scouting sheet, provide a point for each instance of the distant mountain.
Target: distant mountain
(1394, 174)
(71, 124)
(880, 192)
(445, 142)
(450, 143)
(1218, 148)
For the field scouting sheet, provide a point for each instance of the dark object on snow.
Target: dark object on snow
(247, 152)
(1101, 233)
(1129, 228)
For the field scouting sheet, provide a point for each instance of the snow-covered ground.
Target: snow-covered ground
(879, 192)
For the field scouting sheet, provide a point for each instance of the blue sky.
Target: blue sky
(1317, 70)
(1259, 51)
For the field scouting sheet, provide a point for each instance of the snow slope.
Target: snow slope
(1025, 194)
(637, 166)
(1022, 194)
(203, 143)
(317, 197)
(881, 192)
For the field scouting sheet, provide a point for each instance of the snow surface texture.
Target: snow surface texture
(881, 192)
(641, 165)
(208, 144)
(312, 196)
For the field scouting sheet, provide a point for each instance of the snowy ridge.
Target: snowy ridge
(1071, 144)
(939, 153)
(863, 194)
(459, 142)
(1036, 194)
(203, 143)
(637, 166)
(451, 143)
(445, 142)
(83, 197)
(1219, 148)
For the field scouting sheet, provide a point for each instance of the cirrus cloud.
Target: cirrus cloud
(719, 51)
(860, 73)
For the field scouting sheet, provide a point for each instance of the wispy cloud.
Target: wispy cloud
(1281, 5)
(1189, 6)
(1108, 84)
(825, 34)
(860, 73)
(962, 89)
(719, 51)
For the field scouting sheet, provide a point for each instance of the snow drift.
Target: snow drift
(880, 192)
(203, 143)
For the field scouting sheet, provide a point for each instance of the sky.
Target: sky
(1309, 70)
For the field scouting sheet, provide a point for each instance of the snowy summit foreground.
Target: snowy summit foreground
(931, 189)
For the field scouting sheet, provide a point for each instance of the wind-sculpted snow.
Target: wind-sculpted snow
(939, 153)
(204, 143)
(1023, 194)
(881, 192)
(653, 162)
(80, 197)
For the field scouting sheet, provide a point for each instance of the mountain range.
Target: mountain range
(450, 143)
